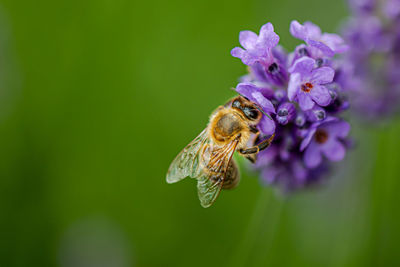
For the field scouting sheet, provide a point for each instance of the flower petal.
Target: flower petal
(265, 91)
(299, 171)
(246, 58)
(267, 38)
(316, 114)
(266, 156)
(248, 39)
(238, 52)
(280, 54)
(305, 101)
(335, 42)
(391, 9)
(303, 66)
(338, 128)
(297, 30)
(259, 72)
(313, 31)
(254, 93)
(321, 95)
(322, 75)
(306, 141)
(334, 150)
(266, 125)
(321, 46)
(263, 102)
(270, 174)
(312, 156)
(293, 86)
(246, 89)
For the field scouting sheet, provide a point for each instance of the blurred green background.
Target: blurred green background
(97, 98)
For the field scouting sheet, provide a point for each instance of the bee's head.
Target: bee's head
(247, 107)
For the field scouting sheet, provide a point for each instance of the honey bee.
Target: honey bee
(208, 158)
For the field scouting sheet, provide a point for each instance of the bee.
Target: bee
(208, 158)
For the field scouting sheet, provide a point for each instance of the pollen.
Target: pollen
(306, 87)
(321, 136)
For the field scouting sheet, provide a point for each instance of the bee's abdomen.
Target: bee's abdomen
(226, 126)
(232, 176)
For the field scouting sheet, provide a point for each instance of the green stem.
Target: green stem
(264, 255)
(256, 228)
(245, 246)
(350, 234)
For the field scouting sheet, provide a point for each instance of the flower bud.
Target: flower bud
(285, 113)
(316, 114)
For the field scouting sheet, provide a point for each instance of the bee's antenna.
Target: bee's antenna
(240, 94)
(262, 111)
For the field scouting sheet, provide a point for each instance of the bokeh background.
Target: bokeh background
(96, 99)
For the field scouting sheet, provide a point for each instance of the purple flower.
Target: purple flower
(289, 177)
(327, 43)
(306, 83)
(253, 93)
(300, 100)
(257, 48)
(362, 6)
(370, 70)
(299, 52)
(285, 113)
(324, 139)
(364, 35)
(300, 119)
(262, 53)
(392, 9)
(315, 114)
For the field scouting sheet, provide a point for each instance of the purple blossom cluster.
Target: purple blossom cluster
(371, 67)
(301, 100)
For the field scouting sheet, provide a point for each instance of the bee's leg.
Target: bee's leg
(264, 144)
(255, 149)
(251, 157)
(254, 130)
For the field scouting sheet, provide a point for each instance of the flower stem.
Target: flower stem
(256, 228)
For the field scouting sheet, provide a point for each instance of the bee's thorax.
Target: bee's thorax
(225, 125)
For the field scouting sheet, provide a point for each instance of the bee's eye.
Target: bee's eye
(236, 104)
(253, 114)
(250, 113)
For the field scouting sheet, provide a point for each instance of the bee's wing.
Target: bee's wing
(212, 177)
(188, 161)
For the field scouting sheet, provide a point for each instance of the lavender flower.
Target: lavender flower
(306, 83)
(362, 6)
(392, 9)
(369, 71)
(286, 113)
(257, 48)
(262, 54)
(327, 43)
(324, 138)
(315, 114)
(302, 100)
(266, 125)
